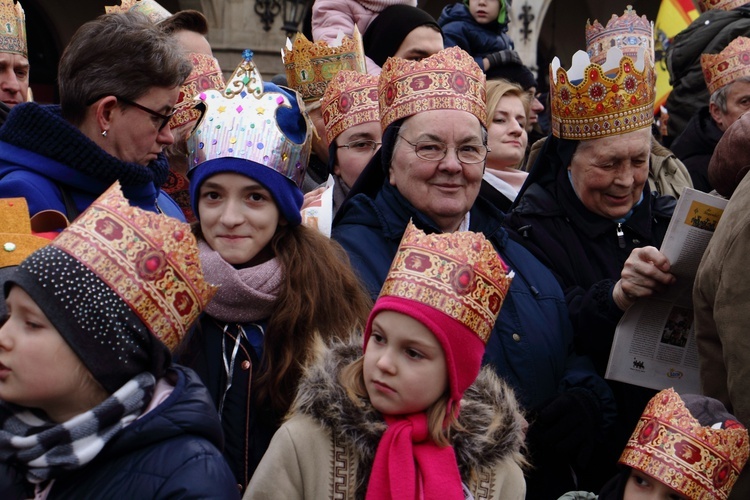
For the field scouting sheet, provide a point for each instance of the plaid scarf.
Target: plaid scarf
(45, 449)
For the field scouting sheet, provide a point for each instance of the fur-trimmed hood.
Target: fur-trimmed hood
(490, 416)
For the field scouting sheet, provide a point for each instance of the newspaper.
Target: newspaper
(654, 344)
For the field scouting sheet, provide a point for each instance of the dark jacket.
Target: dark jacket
(460, 29)
(696, 145)
(54, 166)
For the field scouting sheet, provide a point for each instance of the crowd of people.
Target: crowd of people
(361, 279)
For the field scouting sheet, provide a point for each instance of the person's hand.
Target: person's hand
(502, 57)
(645, 273)
(313, 196)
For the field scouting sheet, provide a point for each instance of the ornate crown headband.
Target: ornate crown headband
(449, 79)
(459, 274)
(205, 75)
(702, 462)
(590, 101)
(728, 65)
(350, 99)
(13, 28)
(241, 121)
(150, 8)
(311, 65)
(705, 5)
(627, 32)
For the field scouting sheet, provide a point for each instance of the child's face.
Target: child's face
(641, 486)
(238, 216)
(484, 11)
(37, 367)
(404, 366)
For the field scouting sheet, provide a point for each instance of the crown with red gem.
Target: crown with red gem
(627, 32)
(150, 8)
(311, 65)
(459, 274)
(205, 75)
(705, 5)
(670, 444)
(13, 28)
(449, 79)
(591, 100)
(350, 99)
(728, 65)
(149, 260)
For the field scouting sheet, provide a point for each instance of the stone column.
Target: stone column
(527, 17)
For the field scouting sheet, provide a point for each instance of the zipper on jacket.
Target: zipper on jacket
(620, 235)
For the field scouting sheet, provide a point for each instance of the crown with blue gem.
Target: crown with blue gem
(247, 120)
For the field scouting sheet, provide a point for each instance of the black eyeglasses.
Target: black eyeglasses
(164, 118)
(360, 146)
(436, 151)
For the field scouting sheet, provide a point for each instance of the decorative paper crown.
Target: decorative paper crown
(590, 101)
(449, 79)
(350, 99)
(628, 33)
(13, 28)
(149, 260)
(705, 5)
(150, 8)
(670, 444)
(728, 65)
(457, 273)
(17, 241)
(241, 122)
(206, 75)
(311, 65)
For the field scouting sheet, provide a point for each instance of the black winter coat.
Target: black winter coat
(696, 145)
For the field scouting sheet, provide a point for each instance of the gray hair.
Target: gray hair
(719, 97)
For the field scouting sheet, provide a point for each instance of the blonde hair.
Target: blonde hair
(497, 89)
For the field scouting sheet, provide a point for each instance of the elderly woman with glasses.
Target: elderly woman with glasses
(119, 79)
(429, 170)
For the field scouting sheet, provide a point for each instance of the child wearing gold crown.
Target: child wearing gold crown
(90, 404)
(408, 415)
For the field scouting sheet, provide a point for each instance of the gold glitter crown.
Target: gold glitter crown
(311, 65)
(350, 99)
(150, 8)
(13, 28)
(449, 79)
(592, 100)
(671, 445)
(149, 260)
(705, 5)
(728, 65)
(627, 32)
(459, 274)
(205, 75)
(17, 240)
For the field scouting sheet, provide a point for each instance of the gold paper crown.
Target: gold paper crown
(627, 32)
(350, 99)
(149, 260)
(150, 8)
(590, 101)
(705, 5)
(17, 240)
(449, 79)
(458, 273)
(241, 121)
(671, 445)
(311, 65)
(206, 75)
(728, 65)
(13, 28)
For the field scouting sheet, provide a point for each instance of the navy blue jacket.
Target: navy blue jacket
(460, 29)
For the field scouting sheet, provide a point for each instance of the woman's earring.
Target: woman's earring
(104, 133)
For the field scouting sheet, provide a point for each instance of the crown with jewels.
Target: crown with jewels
(13, 28)
(591, 100)
(669, 443)
(449, 79)
(350, 99)
(241, 121)
(705, 5)
(150, 8)
(21, 235)
(728, 65)
(627, 32)
(459, 274)
(205, 75)
(311, 65)
(149, 260)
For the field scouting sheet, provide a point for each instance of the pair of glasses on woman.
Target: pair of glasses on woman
(164, 118)
(365, 146)
(436, 151)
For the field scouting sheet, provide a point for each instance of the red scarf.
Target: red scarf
(408, 464)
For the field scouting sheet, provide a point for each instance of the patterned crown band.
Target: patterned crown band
(13, 28)
(450, 79)
(459, 274)
(241, 122)
(311, 65)
(149, 260)
(627, 32)
(150, 8)
(206, 75)
(705, 5)
(350, 99)
(590, 101)
(670, 444)
(728, 65)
